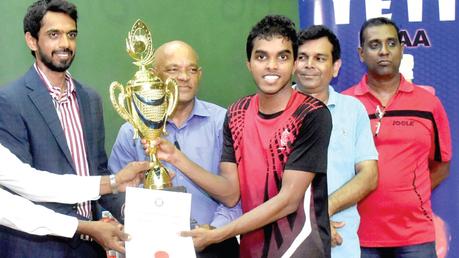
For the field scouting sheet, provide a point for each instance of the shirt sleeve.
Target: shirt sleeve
(21, 214)
(43, 186)
(364, 144)
(124, 149)
(228, 154)
(224, 215)
(311, 146)
(441, 147)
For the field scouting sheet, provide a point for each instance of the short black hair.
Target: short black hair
(377, 22)
(270, 26)
(35, 13)
(317, 32)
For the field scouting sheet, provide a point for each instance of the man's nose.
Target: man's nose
(384, 49)
(183, 75)
(64, 41)
(272, 64)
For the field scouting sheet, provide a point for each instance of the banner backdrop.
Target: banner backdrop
(430, 32)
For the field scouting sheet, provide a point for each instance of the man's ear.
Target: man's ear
(31, 42)
(295, 66)
(247, 63)
(336, 67)
(360, 51)
(199, 73)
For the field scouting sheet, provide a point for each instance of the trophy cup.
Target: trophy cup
(146, 101)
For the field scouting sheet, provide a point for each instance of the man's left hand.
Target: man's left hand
(109, 234)
(202, 237)
(336, 238)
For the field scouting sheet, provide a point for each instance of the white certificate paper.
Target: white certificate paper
(154, 220)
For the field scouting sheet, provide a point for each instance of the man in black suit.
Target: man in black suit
(54, 123)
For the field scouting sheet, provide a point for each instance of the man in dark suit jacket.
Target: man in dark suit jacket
(54, 123)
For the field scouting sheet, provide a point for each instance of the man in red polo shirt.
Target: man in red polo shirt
(412, 136)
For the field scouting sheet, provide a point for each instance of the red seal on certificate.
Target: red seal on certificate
(161, 254)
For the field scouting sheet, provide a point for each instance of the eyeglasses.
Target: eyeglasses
(379, 113)
(189, 71)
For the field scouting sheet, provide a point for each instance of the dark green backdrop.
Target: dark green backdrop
(217, 29)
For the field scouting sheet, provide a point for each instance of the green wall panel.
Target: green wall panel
(217, 29)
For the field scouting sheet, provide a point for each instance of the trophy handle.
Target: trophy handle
(172, 98)
(119, 104)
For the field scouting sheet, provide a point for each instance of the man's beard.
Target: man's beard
(61, 66)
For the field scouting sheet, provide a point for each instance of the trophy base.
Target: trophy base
(180, 189)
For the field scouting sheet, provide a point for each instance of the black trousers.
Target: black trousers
(226, 249)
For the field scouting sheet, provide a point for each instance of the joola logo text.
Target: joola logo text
(403, 123)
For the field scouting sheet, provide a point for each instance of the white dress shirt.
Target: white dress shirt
(21, 214)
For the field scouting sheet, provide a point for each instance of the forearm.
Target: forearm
(270, 211)
(287, 201)
(364, 182)
(48, 187)
(439, 171)
(39, 185)
(21, 214)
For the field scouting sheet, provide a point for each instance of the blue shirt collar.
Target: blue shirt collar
(199, 110)
(332, 97)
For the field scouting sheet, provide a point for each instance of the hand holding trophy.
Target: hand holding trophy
(146, 101)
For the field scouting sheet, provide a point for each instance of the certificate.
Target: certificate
(154, 219)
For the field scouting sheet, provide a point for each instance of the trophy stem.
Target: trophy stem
(157, 177)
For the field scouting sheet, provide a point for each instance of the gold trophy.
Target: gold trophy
(146, 102)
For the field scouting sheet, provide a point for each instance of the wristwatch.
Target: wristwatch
(113, 184)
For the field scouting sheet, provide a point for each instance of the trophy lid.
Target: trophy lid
(139, 44)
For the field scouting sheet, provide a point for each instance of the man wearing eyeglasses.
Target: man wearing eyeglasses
(196, 129)
(412, 136)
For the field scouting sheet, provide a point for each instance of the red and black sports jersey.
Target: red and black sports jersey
(263, 146)
(409, 132)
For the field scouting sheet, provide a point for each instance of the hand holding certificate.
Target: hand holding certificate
(154, 220)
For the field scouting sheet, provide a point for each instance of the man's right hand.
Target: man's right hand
(165, 150)
(131, 175)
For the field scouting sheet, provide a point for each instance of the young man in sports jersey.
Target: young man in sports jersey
(275, 148)
(412, 136)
